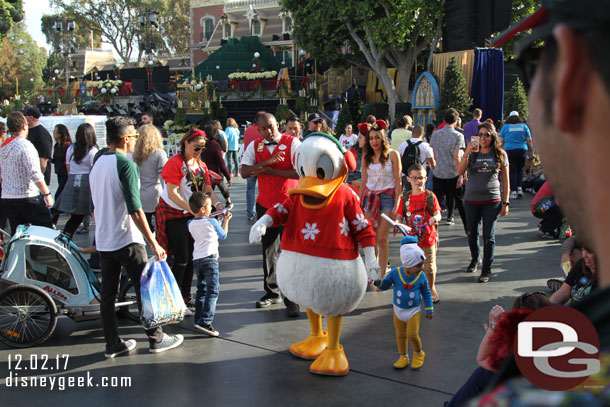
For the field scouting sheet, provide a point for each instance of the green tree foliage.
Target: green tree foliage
(118, 23)
(395, 31)
(20, 60)
(78, 39)
(516, 100)
(454, 92)
(355, 108)
(345, 118)
(11, 12)
(521, 9)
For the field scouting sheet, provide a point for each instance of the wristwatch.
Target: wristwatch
(506, 203)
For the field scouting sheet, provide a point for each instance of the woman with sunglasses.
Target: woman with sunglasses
(581, 280)
(486, 194)
(183, 174)
(75, 198)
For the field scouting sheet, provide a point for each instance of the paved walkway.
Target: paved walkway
(250, 365)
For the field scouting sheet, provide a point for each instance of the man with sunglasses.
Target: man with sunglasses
(120, 232)
(569, 101)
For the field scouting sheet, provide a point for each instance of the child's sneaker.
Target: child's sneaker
(402, 362)
(168, 342)
(124, 347)
(418, 360)
(207, 329)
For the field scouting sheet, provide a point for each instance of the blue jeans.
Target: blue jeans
(250, 198)
(474, 386)
(516, 163)
(488, 213)
(232, 163)
(208, 288)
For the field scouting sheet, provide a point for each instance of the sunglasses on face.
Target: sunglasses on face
(484, 134)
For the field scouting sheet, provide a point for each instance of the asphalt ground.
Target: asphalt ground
(249, 364)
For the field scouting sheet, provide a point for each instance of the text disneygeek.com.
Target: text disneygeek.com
(28, 372)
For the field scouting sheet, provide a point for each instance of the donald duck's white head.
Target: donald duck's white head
(322, 164)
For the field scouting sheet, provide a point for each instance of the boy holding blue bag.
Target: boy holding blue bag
(206, 231)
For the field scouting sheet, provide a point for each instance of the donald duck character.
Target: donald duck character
(319, 266)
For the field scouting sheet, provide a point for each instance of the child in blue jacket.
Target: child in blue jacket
(410, 286)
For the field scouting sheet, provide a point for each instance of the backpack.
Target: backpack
(410, 156)
(429, 202)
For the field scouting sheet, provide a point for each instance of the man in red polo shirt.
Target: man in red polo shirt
(270, 158)
(250, 135)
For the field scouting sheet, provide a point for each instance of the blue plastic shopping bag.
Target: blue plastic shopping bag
(162, 302)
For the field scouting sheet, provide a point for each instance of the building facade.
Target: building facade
(213, 22)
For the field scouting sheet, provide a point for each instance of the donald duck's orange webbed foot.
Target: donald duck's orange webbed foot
(310, 347)
(331, 363)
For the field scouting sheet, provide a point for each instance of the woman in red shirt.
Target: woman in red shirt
(183, 174)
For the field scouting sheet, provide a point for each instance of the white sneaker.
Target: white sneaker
(513, 195)
(519, 192)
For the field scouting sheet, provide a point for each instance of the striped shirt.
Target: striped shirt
(20, 167)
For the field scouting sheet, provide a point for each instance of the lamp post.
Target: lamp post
(148, 19)
(65, 27)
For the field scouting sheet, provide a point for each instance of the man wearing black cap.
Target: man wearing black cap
(314, 121)
(42, 140)
(569, 102)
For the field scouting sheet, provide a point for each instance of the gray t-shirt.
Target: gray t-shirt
(444, 142)
(483, 178)
(151, 183)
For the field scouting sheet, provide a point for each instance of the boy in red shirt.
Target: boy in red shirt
(422, 213)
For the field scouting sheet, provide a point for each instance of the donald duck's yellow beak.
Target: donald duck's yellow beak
(317, 193)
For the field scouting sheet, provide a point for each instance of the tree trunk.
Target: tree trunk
(390, 87)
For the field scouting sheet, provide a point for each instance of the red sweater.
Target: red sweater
(332, 232)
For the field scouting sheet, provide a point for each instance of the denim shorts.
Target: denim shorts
(386, 201)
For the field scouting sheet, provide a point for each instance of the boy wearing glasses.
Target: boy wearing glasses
(421, 212)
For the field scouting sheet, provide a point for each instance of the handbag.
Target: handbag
(162, 302)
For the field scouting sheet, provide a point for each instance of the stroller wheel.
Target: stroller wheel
(127, 293)
(28, 316)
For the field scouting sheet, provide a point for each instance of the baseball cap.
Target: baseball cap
(32, 111)
(575, 13)
(314, 117)
(513, 113)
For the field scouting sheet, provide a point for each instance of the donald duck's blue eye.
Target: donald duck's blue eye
(324, 167)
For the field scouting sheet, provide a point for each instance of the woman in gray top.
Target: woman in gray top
(150, 158)
(487, 194)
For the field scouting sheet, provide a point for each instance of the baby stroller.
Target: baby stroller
(42, 276)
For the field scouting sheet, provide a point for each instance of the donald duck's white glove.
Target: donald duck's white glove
(370, 261)
(260, 228)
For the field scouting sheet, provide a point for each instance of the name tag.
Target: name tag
(260, 147)
(282, 147)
